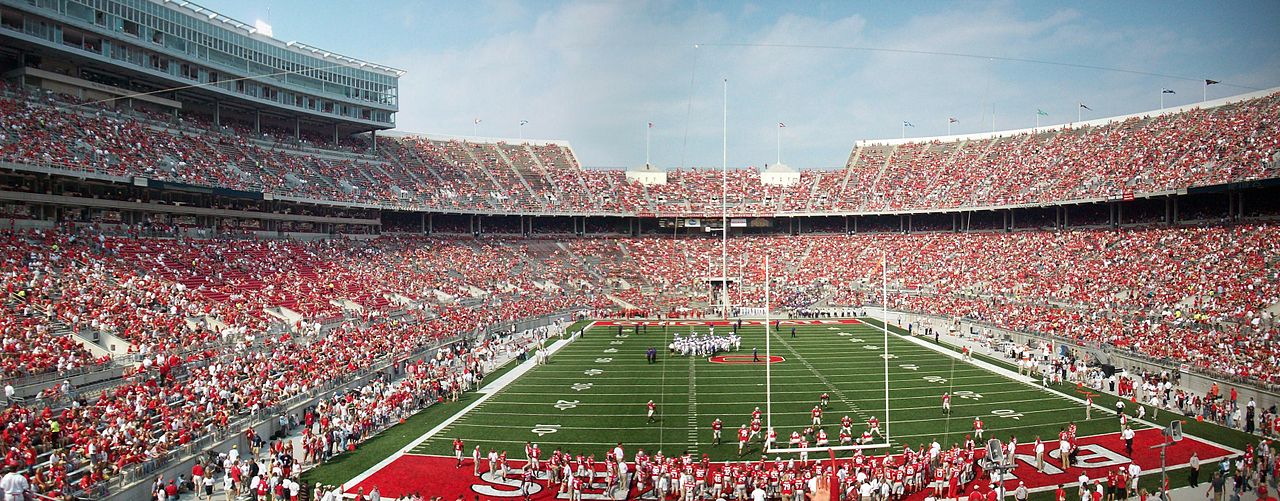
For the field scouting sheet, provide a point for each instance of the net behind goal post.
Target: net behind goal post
(881, 442)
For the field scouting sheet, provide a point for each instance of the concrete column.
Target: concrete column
(297, 128)
(217, 114)
(257, 122)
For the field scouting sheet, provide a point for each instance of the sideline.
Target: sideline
(485, 392)
(1035, 384)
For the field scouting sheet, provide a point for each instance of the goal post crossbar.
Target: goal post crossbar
(836, 448)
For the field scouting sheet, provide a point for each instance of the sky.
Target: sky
(595, 73)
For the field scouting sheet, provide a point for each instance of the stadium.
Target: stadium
(229, 274)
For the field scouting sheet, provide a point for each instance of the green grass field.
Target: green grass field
(593, 394)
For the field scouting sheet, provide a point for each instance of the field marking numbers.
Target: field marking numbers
(968, 395)
(611, 350)
(543, 429)
(593, 372)
(580, 386)
(889, 356)
(871, 347)
(935, 379)
(855, 340)
(1008, 413)
(910, 367)
(616, 341)
(603, 360)
(565, 404)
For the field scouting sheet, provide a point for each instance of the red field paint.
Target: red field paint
(439, 476)
(743, 360)
(720, 323)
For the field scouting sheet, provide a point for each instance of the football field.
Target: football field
(593, 394)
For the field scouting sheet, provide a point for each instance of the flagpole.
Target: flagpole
(1078, 112)
(1037, 119)
(779, 143)
(948, 126)
(1204, 94)
(993, 118)
(648, 127)
(904, 130)
(1162, 99)
(521, 129)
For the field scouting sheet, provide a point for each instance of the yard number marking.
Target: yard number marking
(543, 429)
(565, 404)
(1008, 413)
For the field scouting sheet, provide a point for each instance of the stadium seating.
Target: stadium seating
(241, 320)
(1236, 142)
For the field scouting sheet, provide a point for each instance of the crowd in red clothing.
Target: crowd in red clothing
(1235, 142)
(208, 309)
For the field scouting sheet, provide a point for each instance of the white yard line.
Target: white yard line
(485, 392)
(1030, 381)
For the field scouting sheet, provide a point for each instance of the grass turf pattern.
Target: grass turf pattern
(593, 394)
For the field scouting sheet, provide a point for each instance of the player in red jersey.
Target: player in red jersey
(457, 450)
(977, 427)
(651, 407)
(743, 437)
(716, 426)
(946, 403)
(817, 415)
(824, 400)
(873, 424)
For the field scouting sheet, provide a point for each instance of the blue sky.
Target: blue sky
(594, 73)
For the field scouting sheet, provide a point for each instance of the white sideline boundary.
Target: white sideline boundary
(485, 392)
(1030, 381)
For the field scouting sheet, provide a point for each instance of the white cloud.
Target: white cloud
(594, 73)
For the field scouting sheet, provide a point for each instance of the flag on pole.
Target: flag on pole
(1167, 91)
(1210, 82)
(1041, 112)
(1085, 107)
(650, 125)
(476, 122)
(781, 125)
(952, 120)
(907, 124)
(524, 122)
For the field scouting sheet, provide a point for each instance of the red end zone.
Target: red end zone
(744, 360)
(720, 323)
(438, 475)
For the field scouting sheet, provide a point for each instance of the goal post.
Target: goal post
(826, 448)
(886, 441)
